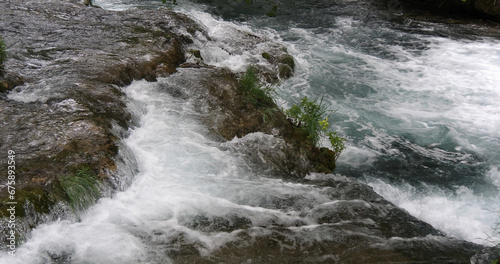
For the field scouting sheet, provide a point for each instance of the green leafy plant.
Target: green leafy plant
(337, 143)
(81, 188)
(311, 117)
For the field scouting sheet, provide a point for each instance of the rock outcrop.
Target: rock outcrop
(62, 111)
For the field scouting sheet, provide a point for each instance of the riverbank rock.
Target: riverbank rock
(262, 129)
(9, 81)
(63, 118)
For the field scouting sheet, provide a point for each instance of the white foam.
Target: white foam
(122, 5)
(445, 93)
(356, 156)
(231, 45)
(461, 214)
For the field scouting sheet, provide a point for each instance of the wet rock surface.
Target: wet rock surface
(277, 148)
(70, 113)
(360, 227)
(61, 107)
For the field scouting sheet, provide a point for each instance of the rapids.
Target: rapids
(417, 103)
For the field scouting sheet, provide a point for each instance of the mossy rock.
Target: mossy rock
(285, 71)
(9, 81)
(287, 60)
(266, 56)
(323, 160)
(239, 117)
(286, 66)
(196, 53)
(36, 195)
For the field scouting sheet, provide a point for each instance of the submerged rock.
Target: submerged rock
(9, 81)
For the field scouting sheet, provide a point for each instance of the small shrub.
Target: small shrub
(311, 117)
(81, 188)
(337, 143)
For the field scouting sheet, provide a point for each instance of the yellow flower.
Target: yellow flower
(324, 124)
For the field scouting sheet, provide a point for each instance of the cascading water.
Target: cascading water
(418, 112)
(185, 180)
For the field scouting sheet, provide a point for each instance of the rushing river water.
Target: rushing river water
(419, 111)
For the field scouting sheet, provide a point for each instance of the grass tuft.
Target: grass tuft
(3, 53)
(81, 188)
(255, 93)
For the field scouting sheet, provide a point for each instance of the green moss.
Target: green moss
(155, 33)
(287, 60)
(273, 11)
(159, 33)
(284, 71)
(140, 30)
(132, 40)
(266, 56)
(286, 66)
(36, 195)
(4, 86)
(196, 53)
(3, 54)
